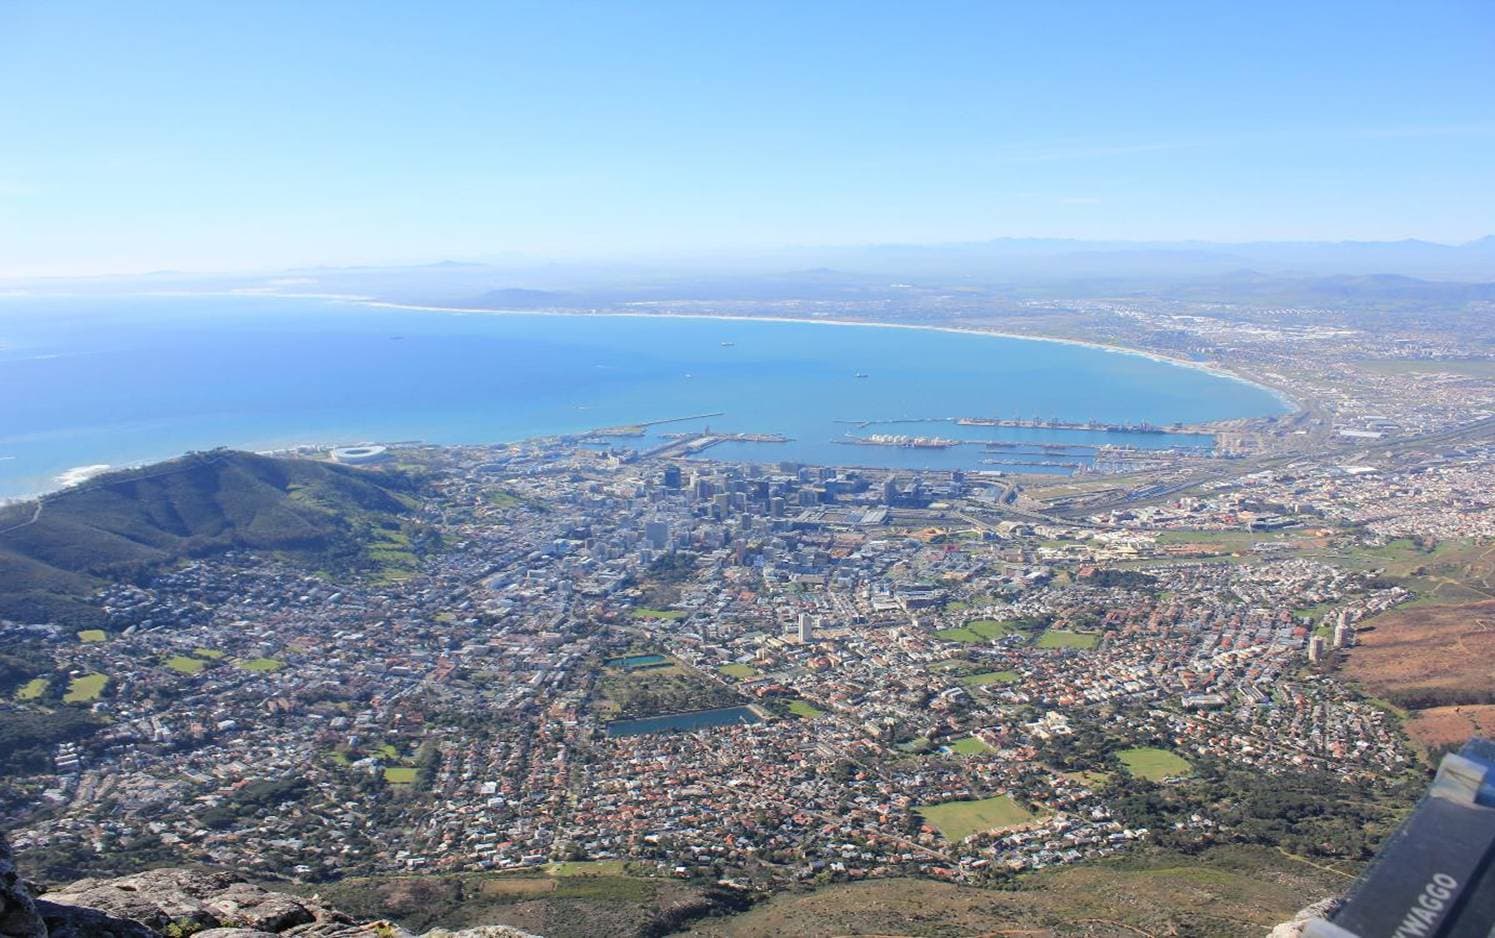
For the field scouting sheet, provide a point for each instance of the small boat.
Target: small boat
(728, 344)
(862, 374)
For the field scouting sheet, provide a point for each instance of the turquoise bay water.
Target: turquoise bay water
(87, 381)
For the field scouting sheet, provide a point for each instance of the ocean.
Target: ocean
(90, 381)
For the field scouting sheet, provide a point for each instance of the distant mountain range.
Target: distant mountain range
(1026, 258)
(1362, 270)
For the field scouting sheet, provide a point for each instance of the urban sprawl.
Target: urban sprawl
(574, 650)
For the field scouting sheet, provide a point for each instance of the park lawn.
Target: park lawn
(1314, 612)
(399, 775)
(991, 628)
(665, 614)
(185, 665)
(260, 664)
(991, 677)
(804, 709)
(32, 689)
(739, 670)
(92, 636)
(589, 868)
(1153, 764)
(978, 630)
(958, 820)
(969, 746)
(958, 635)
(1058, 638)
(502, 499)
(86, 688)
(1089, 779)
(207, 653)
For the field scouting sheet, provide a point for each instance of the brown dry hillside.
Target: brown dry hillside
(1441, 727)
(1428, 656)
(1224, 892)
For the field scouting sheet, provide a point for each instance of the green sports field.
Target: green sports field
(1153, 764)
(991, 677)
(86, 688)
(1058, 638)
(981, 630)
(958, 820)
(804, 709)
(969, 746)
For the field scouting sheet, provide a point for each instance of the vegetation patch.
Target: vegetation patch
(651, 691)
(32, 689)
(589, 868)
(739, 670)
(92, 636)
(1427, 656)
(804, 709)
(115, 529)
(969, 746)
(668, 615)
(185, 665)
(28, 737)
(979, 630)
(501, 498)
(991, 677)
(260, 664)
(1153, 764)
(207, 654)
(1058, 638)
(958, 820)
(86, 688)
(400, 775)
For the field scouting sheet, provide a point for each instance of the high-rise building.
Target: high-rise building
(657, 533)
(672, 477)
(806, 627)
(889, 490)
(1316, 648)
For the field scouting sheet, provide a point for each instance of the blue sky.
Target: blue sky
(208, 135)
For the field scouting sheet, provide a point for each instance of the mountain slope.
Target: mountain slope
(123, 524)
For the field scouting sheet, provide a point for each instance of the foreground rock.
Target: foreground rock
(18, 915)
(178, 903)
(186, 902)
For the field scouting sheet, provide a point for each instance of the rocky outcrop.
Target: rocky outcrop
(184, 902)
(18, 915)
(180, 903)
(1295, 928)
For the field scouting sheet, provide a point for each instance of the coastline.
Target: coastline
(70, 477)
(1292, 404)
(1218, 371)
